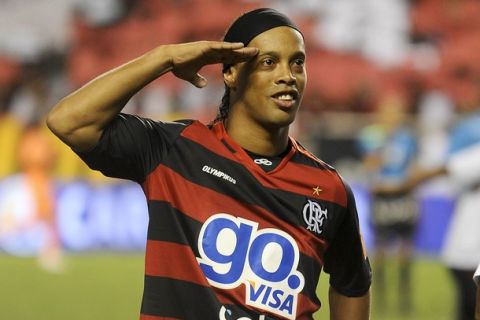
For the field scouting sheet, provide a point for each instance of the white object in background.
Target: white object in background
(476, 276)
(464, 166)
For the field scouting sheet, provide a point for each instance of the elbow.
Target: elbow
(61, 121)
(55, 122)
(50, 121)
(71, 127)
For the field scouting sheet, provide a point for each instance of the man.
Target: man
(242, 218)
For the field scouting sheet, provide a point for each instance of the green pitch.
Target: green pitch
(108, 286)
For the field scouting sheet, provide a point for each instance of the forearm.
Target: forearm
(79, 118)
(346, 308)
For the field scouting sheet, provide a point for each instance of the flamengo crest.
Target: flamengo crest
(314, 216)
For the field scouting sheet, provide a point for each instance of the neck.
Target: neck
(257, 138)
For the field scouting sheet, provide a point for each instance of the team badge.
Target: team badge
(314, 216)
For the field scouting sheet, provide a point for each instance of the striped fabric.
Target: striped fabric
(227, 240)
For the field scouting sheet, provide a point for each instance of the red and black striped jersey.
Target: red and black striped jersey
(227, 240)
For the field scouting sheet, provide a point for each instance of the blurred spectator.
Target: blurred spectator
(462, 244)
(100, 13)
(29, 28)
(390, 149)
(436, 116)
(461, 252)
(377, 29)
(27, 203)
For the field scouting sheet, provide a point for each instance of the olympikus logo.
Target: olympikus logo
(218, 173)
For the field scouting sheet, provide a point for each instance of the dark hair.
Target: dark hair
(224, 108)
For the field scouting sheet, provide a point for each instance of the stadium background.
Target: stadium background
(361, 57)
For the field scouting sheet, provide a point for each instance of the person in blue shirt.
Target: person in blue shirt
(461, 249)
(389, 147)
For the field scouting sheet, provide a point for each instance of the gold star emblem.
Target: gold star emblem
(316, 191)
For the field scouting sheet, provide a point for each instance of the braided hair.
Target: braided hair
(224, 108)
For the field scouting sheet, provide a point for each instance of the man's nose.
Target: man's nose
(286, 75)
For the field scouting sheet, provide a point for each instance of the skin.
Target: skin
(272, 64)
(79, 119)
(344, 308)
(258, 121)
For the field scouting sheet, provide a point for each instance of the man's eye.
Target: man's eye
(268, 62)
(299, 62)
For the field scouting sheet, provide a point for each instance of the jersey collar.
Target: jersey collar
(221, 133)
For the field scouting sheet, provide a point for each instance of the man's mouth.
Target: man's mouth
(285, 99)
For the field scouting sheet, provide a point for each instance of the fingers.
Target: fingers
(198, 81)
(234, 48)
(191, 57)
(247, 52)
(222, 45)
(231, 53)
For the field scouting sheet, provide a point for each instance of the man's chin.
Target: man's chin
(280, 122)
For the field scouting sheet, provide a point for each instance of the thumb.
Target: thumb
(198, 81)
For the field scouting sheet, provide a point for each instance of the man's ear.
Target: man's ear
(230, 77)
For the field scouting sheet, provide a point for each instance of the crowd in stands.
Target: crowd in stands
(359, 56)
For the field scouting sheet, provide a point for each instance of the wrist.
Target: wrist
(162, 58)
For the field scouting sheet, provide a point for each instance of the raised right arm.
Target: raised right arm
(79, 118)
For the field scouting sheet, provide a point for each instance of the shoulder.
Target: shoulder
(326, 174)
(305, 157)
(149, 123)
(137, 126)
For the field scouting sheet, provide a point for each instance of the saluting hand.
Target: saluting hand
(189, 58)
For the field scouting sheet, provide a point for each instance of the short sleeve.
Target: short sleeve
(131, 146)
(346, 260)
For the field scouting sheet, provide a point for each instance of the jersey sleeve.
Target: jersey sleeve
(131, 146)
(346, 260)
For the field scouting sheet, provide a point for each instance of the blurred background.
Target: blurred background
(393, 88)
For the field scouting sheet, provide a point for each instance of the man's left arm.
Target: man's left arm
(347, 263)
(348, 308)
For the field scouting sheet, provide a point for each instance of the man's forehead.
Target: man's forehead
(256, 22)
(278, 39)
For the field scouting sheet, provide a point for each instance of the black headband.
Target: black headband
(251, 24)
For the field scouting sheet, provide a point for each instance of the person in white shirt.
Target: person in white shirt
(461, 251)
